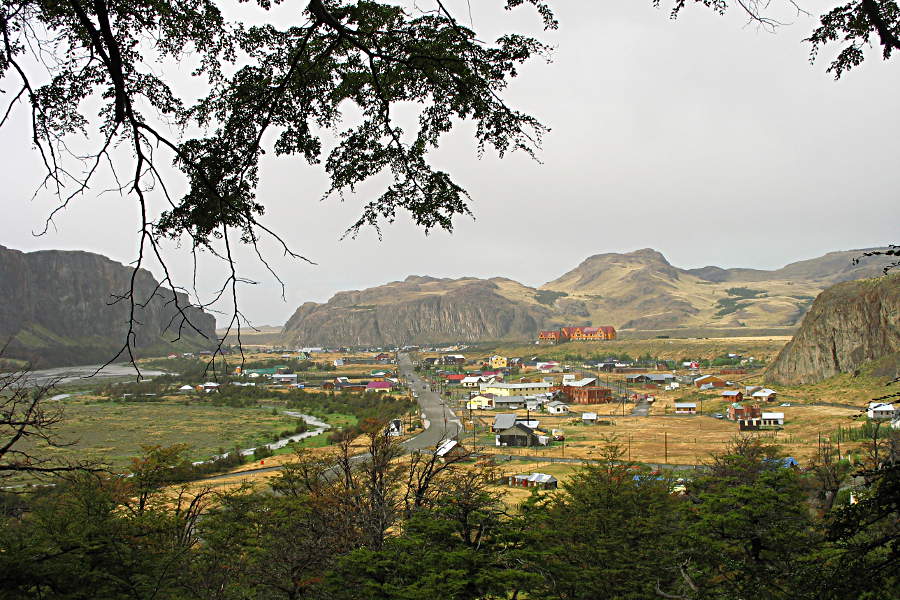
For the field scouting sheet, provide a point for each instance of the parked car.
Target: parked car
(786, 404)
(718, 415)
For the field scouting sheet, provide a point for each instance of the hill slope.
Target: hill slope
(637, 291)
(848, 325)
(641, 290)
(55, 309)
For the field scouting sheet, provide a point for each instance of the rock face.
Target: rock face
(55, 309)
(420, 309)
(848, 324)
(637, 290)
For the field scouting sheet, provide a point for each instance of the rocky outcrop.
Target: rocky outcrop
(848, 325)
(56, 309)
(419, 310)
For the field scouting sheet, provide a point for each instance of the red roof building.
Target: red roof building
(606, 332)
(548, 337)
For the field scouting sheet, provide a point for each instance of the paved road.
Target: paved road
(442, 422)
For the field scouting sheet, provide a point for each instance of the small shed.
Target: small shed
(589, 418)
(210, 387)
(186, 389)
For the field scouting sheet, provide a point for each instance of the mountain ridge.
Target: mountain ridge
(638, 290)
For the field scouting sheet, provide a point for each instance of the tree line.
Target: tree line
(409, 526)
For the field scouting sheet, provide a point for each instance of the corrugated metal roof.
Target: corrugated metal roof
(504, 421)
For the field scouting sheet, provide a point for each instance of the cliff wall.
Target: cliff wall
(847, 325)
(56, 309)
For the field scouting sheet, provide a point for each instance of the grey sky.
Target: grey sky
(712, 142)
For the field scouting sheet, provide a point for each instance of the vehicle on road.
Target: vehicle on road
(786, 404)
(718, 415)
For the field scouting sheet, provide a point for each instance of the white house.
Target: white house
(765, 394)
(185, 389)
(473, 381)
(772, 418)
(882, 411)
(557, 408)
(210, 387)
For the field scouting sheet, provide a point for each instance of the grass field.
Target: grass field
(685, 440)
(114, 432)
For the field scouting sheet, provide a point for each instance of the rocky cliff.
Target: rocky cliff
(56, 309)
(420, 309)
(848, 325)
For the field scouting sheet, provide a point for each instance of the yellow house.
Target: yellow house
(515, 389)
(498, 362)
(481, 402)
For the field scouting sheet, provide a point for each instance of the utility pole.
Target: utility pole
(666, 444)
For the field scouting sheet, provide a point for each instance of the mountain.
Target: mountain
(637, 291)
(56, 310)
(420, 309)
(642, 290)
(848, 325)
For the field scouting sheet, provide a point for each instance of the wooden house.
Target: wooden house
(517, 435)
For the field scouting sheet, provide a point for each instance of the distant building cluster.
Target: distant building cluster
(577, 334)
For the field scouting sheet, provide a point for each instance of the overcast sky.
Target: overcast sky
(709, 140)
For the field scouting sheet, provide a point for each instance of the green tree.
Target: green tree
(749, 530)
(611, 533)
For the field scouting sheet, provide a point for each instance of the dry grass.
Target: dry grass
(676, 440)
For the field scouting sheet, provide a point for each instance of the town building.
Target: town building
(498, 362)
(770, 419)
(548, 337)
(513, 389)
(480, 402)
(685, 408)
(737, 411)
(379, 386)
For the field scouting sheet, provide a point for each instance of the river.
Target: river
(318, 424)
(61, 375)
